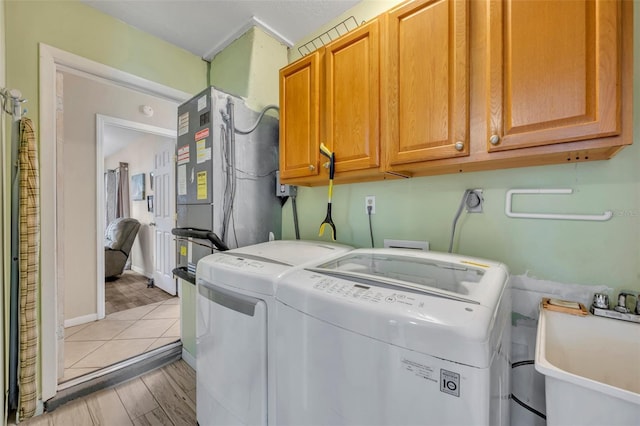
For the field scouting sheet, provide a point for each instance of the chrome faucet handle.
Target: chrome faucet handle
(623, 297)
(601, 300)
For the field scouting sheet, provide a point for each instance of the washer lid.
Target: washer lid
(437, 274)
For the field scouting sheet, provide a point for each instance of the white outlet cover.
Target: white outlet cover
(370, 200)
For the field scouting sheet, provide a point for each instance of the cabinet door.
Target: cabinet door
(299, 117)
(427, 81)
(554, 72)
(351, 101)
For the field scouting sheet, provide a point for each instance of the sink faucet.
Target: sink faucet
(621, 311)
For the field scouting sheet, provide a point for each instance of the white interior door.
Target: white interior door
(164, 217)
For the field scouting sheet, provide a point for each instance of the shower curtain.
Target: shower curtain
(29, 267)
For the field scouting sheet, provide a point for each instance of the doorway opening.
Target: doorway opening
(138, 304)
(55, 273)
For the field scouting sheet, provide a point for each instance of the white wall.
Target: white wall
(76, 168)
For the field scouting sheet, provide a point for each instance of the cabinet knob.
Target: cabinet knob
(312, 167)
(459, 145)
(326, 165)
(494, 139)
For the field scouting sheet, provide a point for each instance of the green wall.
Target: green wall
(588, 253)
(230, 68)
(249, 68)
(6, 243)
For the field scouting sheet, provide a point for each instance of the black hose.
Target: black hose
(527, 407)
(522, 404)
(521, 363)
(370, 227)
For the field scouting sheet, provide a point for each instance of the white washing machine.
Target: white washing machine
(234, 328)
(394, 337)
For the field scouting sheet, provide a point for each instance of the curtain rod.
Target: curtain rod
(15, 97)
(118, 167)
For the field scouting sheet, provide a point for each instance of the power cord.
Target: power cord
(295, 216)
(457, 216)
(369, 208)
(515, 399)
(473, 200)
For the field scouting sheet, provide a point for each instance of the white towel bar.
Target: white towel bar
(507, 208)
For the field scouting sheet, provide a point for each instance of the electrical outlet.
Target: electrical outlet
(370, 200)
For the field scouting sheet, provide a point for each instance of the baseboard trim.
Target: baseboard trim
(189, 359)
(114, 375)
(80, 320)
(141, 271)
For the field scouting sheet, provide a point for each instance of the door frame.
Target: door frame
(52, 60)
(101, 122)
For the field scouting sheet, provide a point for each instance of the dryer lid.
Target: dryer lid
(290, 252)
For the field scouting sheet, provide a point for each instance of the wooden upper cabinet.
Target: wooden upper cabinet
(426, 78)
(351, 104)
(554, 72)
(299, 117)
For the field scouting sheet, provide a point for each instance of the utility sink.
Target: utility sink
(592, 369)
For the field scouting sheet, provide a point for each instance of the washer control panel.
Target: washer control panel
(361, 292)
(240, 262)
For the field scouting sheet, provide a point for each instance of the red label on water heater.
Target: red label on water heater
(202, 134)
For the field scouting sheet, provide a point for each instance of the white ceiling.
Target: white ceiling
(116, 138)
(204, 27)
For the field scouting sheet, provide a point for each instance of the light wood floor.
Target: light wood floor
(166, 396)
(129, 291)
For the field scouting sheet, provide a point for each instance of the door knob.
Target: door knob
(312, 167)
(459, 145)
(494, 139)
(152, 224)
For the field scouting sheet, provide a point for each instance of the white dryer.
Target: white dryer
(394, 337)
(234, 326)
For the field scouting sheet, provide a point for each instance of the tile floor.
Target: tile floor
(121, 335)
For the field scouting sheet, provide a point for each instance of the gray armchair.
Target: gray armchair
(118, 240)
